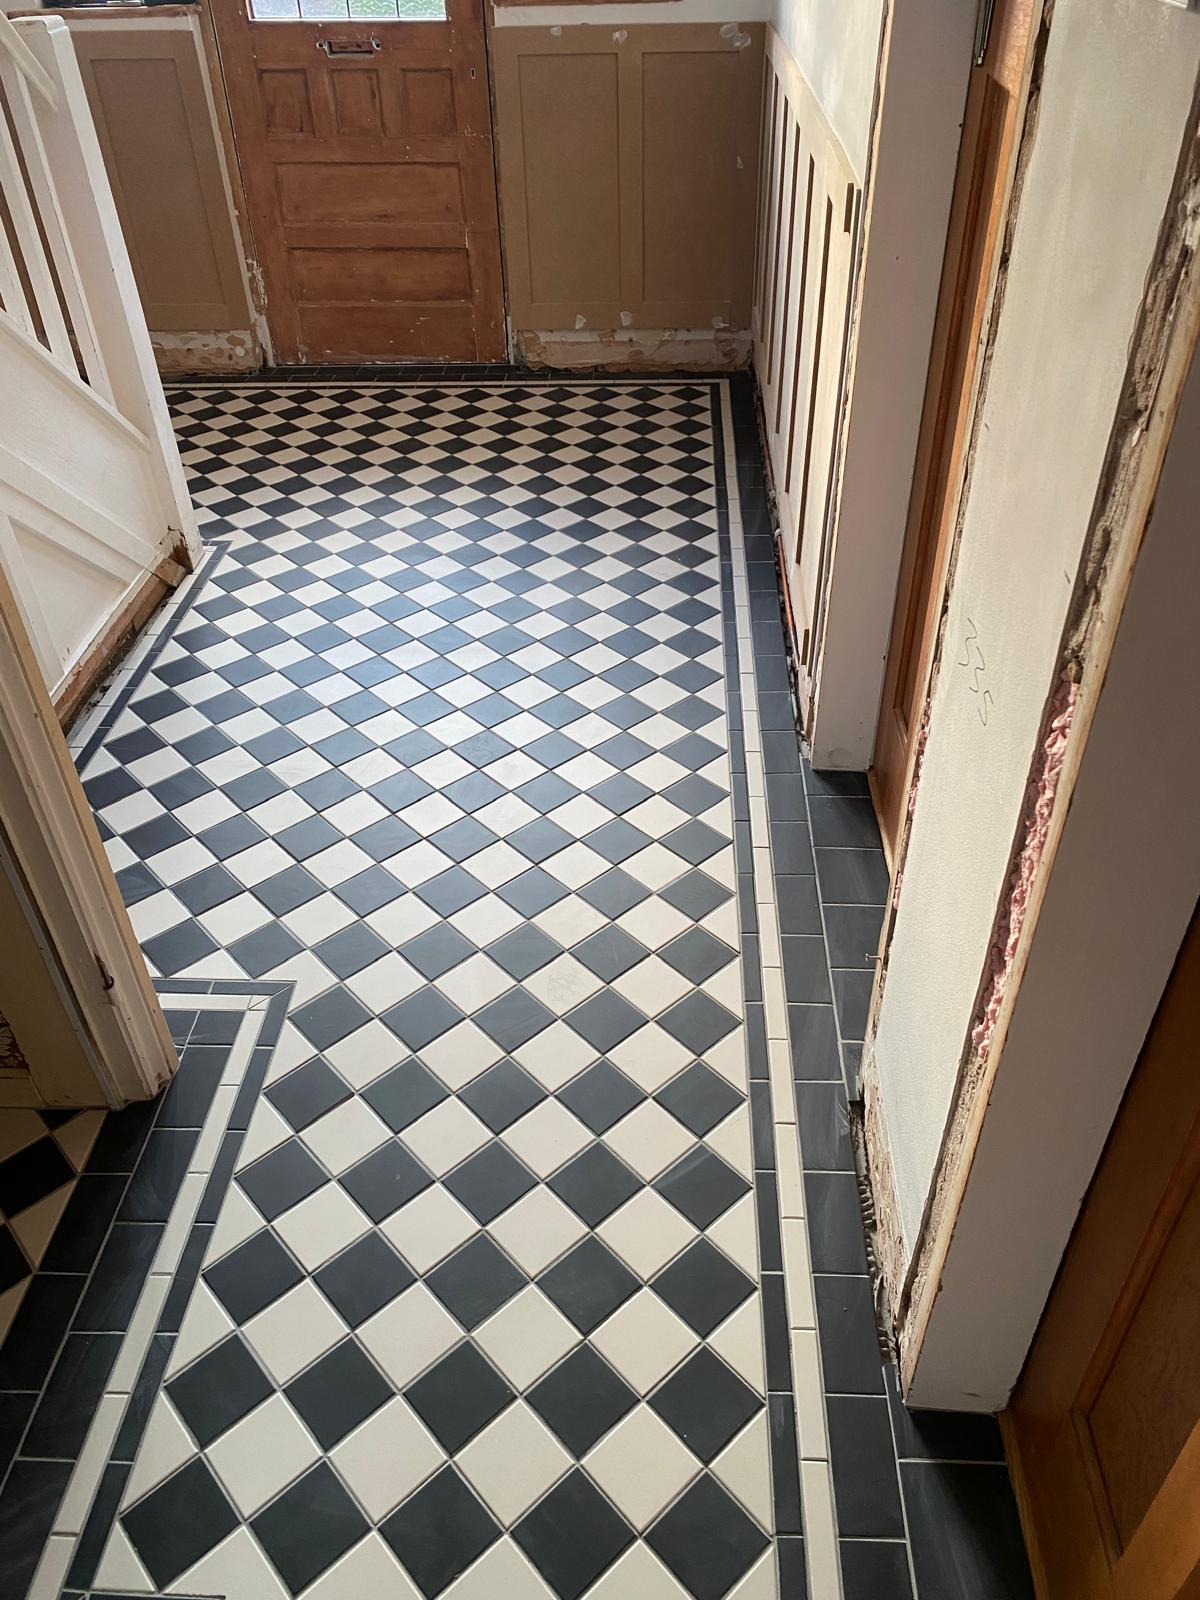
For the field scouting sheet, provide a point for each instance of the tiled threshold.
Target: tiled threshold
(642, 1281)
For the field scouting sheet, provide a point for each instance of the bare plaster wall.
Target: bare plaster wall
(1117, 83)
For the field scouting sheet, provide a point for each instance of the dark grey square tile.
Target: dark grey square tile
(368, 890)
(582, 1399)
(695, 894)
(699, 1097)
(697, 955)
(351, 949)
(601, 1096)
(459, 1396)
(605, 1020)
(824, 1123)
(363, 1278)
(338, 1392)
(502, 1094)
(705, 1402)
(698, 1021)
(524, 951)
(219, 1389)
(422, 1017)
(385, 1180)
(64, 1413)
(451, 891)
(436, 951)
(701, 1186)
(282, 1178)
(805, 969)
(490, 1181)
(852, 933)
(702, 1286)
(309, 1526)
(614, 893)
(588, 1284)
(532, 891)
(834, 1222)
(594, 1184)
(853, 877)
(573, 1535)
(330, 1017)
(404, 1093)
(475, 1281)
(864, 1467)
(439, 1531)
(609, 952)
(707, 1540)
(252, 1276)
(179, 1521)
(874, 1569)
(308, 1092)
(513, 1019)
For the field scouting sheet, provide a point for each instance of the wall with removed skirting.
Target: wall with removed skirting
(627, 161)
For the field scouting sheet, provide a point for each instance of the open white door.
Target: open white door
(94, 511)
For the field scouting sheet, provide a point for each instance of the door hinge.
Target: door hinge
(983, 29)
(107, 981)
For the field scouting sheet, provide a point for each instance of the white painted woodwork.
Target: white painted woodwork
(92, 494)
(808, 206)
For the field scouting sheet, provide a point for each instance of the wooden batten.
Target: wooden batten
(105, 654)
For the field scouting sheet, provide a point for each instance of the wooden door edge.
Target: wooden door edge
(1021, 1493)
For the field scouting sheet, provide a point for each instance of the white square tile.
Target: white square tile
(649, 1139)
(293, 1331)
(644, 1340)
(526, 1337)
(409, 1334)
(563, 983)
(650, 1056)
(474, 982)
(487, 920)
(513, 1462)
(537, 1230)
(345, 1135)
(428, 1228)
(366, 1054)
(652, 986)
(502, 1573)
(570, 920)
(497, 865)
(647, 1233)
(445, 1136)
(322, 916)
(321, 1226)
(262, 1453)
(640, 1574)
(385, 982)
(388, 1457)
(461, 1054)
(555, 1056)
(641, 1466)
(547, 1136)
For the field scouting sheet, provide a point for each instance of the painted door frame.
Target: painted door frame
(72, 897)
(1107, 914)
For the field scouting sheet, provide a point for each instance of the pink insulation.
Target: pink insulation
(1038, 806)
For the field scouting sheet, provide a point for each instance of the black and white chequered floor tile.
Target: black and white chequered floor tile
(442, 741)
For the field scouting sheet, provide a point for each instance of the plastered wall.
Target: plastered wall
(835, 44)
(1118, 80)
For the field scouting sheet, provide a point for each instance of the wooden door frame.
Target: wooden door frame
(126, 1051)
(950, 399)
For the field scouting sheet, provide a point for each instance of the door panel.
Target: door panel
(1104, 1428)
(366, 151)
(991, 128)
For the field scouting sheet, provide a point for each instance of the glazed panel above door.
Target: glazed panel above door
(366, 153)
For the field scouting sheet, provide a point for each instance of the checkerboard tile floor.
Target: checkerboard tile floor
(442, 741)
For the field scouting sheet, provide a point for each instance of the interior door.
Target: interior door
(991, 129)
(363, 129)
(1104, 1428)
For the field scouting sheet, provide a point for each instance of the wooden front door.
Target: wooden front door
(1104, 1428)
(991, 130)
(366, 151)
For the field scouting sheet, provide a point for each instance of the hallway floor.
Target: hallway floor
(499, 1235)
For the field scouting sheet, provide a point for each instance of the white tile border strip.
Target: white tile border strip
(816, 1482)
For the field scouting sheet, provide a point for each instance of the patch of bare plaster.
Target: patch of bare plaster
(1037, 810)
(891, 1254)
(236, 351)
(628, 349)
